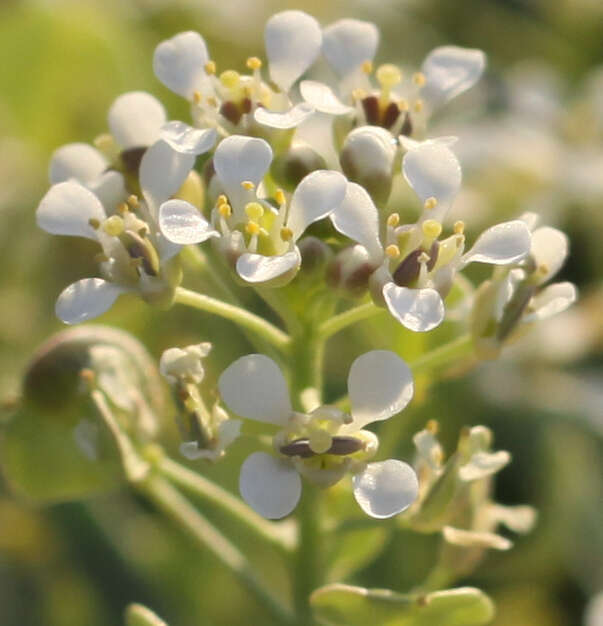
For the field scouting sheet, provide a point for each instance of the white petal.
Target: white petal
(179, 63)
(293, 41)
(316, 196)
(254, 387)
(552, 300)
(449, 71)
(433, 170)
(357, 217)
(483, 464)
(270, 486)
(530, 218)
(110, 189)
(135, 119)
(78, 161)
(474, 539)
(184, 138)
(86, 299)
(519, 519)
(501, 244)
(380, 385)
(322, 98)
(67, 209)
(386, 488)
(182, 223)
(257, 268)
(162, 173)
(549, 247)
(410, 144)
(238, 159)
(348, 43)
(420, 310)
(286, 119)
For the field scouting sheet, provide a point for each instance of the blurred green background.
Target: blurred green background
(531, 138)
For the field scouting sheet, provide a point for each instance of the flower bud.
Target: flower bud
(290, 167)
(138, 615)
(315, 256)
(367, 158)
(350, 270)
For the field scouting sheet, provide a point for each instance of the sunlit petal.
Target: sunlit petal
(135, 119)
(420, 310)
(86, 299)
(322, 98)
(182, 223)
(348, 43)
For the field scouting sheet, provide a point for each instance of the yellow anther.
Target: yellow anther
(367, 67)
(459, 227)
(432, 426)
(133, 201)
(388, 75)
(432, 228)
(286, 233)
(359, 94)
(252, 228)
(418, 78)
(254, 210)
(94, 223)
(543, 269)
(392, 251)
(197, 97)
(418, 106)
(210, 67)
(225, 210)
(247, 184)
(230, 79)
(212, 102)
(430, 203)
(279, 196)
(403, 104)
(393, 220)
(253, 63)
(320, 441)
(222, 199)
(122, 207)
(113, 226)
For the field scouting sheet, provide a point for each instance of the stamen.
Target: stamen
(252, 228)
(359, 94)
(418, 106)
(393, 220)
(123, 208)
(222, 199)
(254, 210)
(392, 251)
(430, 203)
(320, 441)
(367, 67)
(418, 78)
(431, 229)
(210, 67)
(230, 79)
(286, 233)
(197, 97)
(133, 201)
(279, 196)
(403, 104)
(113, 226)
(225, 210)
(388, 76)
(253, 63)
(247, 184)
(459, 227)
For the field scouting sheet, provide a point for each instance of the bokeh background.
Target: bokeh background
(531, 138)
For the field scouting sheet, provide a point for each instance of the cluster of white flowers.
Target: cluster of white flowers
(264, 183)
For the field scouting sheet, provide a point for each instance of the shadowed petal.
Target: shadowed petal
(549, 249)
(78, 161)
(86, 299)
(552, 300)
(135, 119)
(180, 222)
(322, 98)
(420, 310)
(257, 268)
(348, 43)
(501, 244)
(286, 119)
(184, 138)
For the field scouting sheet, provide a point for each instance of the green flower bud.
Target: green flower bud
(290, 167)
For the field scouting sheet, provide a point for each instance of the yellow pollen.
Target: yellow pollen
(113, 225)
(247, 184)
(197, 97)
(222, 199)
(359, 94)
(286, 234)
(367, 67)
(279, 196)
(225, 210)
(432, 426)
(388, 75)
(393, 220)
(254, 210)
(94, 223)
(122, 207)
(210, 67)
(403, 104)
(253, 63)
(432, 228)
(252, 228)
(418, 106)
(543, 268)
(430, 203)
(133, 201)
(212, 101)
(459, 227)
(230, 79)
(392, 251)
(418, 78)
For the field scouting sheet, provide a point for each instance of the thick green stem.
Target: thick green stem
(280, 536)
(176, 507)
(245, 319)
(347, 318)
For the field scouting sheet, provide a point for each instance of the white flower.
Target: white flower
(400, 106)
(184, 363)
(325, 444)
(232, 101)
(261, 238)
(415, 270)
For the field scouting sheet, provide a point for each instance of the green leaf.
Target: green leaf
(354, 550)
(344, 605)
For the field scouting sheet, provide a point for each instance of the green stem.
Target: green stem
(281, 536)
(345, 319)
(254, 323)
(176, 507)
(459, 348)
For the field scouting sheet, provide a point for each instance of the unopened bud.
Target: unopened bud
(350, 270)
(291, 166)
(315, 256)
